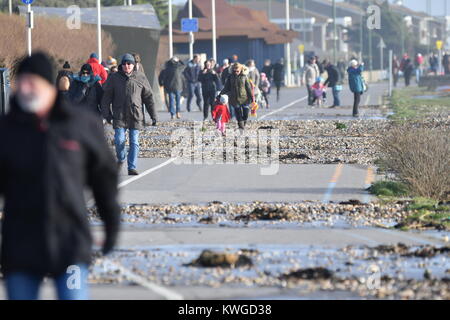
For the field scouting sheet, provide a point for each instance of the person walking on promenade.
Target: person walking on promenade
(239, 91)
(395, 69)
(418, 64)
(191, 74)
(210, 85)
(407, 71)
(49, 152)
(334, 82)
(253, 73)
(97, 68)
(264, 87)
(126, 91)
(224, 72)
(311, 74)
(220, 114)
(278, 75)
(356, 83)
(171, 78)
(86, 90)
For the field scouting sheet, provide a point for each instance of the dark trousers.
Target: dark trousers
(241, 113)
(278, 85)
(407, 79)
(208, 102)
(395, 79)
(266, 97)
(310, 95)
(194, 89)
(356, 102)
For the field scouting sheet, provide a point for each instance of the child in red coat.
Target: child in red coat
(220, 113)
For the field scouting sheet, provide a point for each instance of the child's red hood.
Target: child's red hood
(92, 60)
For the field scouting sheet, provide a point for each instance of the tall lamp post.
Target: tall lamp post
(334, 33)
(170, 30)
(288, 47)
(191, 34)
(214, 43)
(99, 30)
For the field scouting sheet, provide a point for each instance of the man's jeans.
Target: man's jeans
(71, 285)
(194, 88)
(174, 99)
(119, 140)
(337, 101)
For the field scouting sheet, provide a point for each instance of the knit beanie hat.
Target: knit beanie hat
(86, 67)
(94, 55)
(128, 58)
(39, 64)
(66, 65)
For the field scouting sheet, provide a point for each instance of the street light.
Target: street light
(99, 30)
(288, 47)
(170, 31)
(214, 44)
(191, 34)
(334, 33)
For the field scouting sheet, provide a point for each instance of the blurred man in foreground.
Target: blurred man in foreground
(49, 152)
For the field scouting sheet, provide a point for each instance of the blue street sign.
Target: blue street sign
(189, 25)
(27, 1)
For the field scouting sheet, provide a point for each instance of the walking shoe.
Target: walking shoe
(178, 115)
(171, 117)
(356, 115)
(133, 172)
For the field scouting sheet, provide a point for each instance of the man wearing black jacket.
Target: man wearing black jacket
(49, 152)
(334, 82)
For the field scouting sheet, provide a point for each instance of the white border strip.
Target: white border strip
(146, 172)
(164, 292)
(284, 107)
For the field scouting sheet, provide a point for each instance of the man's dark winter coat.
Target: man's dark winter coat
(334, 76)
(44, 166)
(171, 78)
(127, 94)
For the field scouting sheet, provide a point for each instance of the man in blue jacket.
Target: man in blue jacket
(194, 86)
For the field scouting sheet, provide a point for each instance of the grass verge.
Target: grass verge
(410, 103)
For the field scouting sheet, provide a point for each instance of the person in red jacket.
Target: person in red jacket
(220, 113)
(98, 69)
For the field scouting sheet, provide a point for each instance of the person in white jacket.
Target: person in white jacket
(311, 74)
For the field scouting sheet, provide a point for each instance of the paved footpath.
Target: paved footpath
(293, 106)
(163, 181)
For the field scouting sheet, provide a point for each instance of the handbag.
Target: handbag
(364, 83)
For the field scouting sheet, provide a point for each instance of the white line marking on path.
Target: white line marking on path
(146, 172)
(283, 107)
(162, 291)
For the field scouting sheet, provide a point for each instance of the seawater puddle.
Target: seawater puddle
(167, 264)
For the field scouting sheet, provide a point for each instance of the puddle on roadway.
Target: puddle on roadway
(165, 264)
(175, 220)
